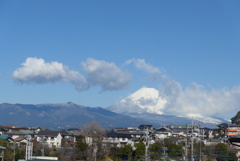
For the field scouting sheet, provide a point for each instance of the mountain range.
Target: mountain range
(64, 115)
(145, 106)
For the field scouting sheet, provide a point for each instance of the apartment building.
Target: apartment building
(232, 130)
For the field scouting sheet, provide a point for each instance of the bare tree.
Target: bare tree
(94, 135)
(93, 130)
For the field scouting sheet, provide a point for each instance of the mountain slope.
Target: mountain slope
(62, 115)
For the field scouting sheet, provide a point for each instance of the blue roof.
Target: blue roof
(4, 137)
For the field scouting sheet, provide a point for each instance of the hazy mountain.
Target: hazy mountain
(150, 105)
(62, 115)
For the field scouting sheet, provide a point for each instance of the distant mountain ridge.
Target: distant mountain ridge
(70, 115)
(64, 115)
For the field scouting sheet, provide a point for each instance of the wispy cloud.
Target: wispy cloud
(105, 74)
(141, 64)
(35, 70)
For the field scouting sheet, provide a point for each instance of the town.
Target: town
(145, 142)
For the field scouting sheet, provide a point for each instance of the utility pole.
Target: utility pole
(14, 150)
(43, 145)
(146, 147)
(95, 148)
(192, 142)
(186, 144)
(200, 136)
(29, 148)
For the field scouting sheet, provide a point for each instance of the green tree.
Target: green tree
(8, 152)
(81, 147)
(236, 119)
(140, 150)
(232, 156)
(173, 150)
(221, 152)
(126, 152)
(19, 153)
(155, 150)
(115, 153)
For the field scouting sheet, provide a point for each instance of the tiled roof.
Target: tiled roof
(63, 132)
(20, 138)
(48, 133)
(16, 133)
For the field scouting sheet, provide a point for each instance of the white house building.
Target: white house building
(52, 138)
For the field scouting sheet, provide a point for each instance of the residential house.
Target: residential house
(3, 131)
(16, 134)
(121, 137)
(162, 133)
(51, 138)
(144, 127)
(20, 141)
(67, 137)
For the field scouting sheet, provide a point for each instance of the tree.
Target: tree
(156, 150)
(8, 152)
(95, 135)
(221, 129)
(173, 150)
(221, 151)
(19, 154)
(232, 156)
(126, 151)
(115, 153)
(236, 119)
(81, 147)
(93, 130)
(140, 150)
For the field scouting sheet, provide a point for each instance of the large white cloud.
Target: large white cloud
(193, 101)
(35, 70)
(141, 64)
(105, 74)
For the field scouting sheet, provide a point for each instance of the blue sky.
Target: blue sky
(187, 41)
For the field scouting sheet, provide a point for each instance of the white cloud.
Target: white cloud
(0, 75)
(141, 64)
(196, 99)
(107, 75)
(193, 101)
(38, 71)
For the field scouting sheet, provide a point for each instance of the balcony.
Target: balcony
(232, 129)
(232, 133)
